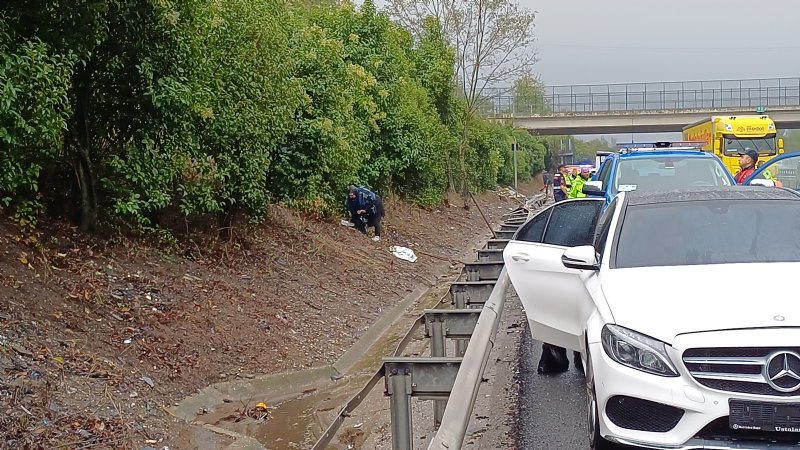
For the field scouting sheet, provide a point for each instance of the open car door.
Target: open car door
(554, 296)
(781, 171)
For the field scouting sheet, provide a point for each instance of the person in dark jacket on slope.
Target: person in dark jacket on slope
(366, 209)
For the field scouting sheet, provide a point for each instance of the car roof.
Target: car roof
(667, 153)
(710, 193)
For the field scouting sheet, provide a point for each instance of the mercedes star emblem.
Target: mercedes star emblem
(782, 371)
(779, 318)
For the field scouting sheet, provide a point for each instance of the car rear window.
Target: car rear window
(669, 172)
(709, 232)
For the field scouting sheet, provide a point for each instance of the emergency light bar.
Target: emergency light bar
(676, 145)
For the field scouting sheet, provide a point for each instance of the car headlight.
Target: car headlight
(637, 351)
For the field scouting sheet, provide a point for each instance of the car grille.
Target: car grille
(636, 414)
(741, 370)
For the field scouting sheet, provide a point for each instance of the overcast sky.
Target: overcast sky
(624, 41)
(621, 41)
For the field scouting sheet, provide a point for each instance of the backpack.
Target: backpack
(368, 194)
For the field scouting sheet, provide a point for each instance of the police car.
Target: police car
(657, 166)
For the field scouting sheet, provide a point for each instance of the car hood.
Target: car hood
(663, 302)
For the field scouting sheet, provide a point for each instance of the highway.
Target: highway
(551, 413)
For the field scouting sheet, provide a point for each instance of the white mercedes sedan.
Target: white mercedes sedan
(684, 308)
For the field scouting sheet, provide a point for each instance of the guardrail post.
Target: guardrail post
(399, 390)
(436, 329)
(460, 301)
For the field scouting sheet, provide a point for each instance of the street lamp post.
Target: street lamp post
(516, 188)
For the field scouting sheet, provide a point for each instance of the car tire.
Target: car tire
(596, 442)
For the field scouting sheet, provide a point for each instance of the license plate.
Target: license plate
(759, 416)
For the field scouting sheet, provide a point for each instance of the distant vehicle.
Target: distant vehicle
(601, 156)
(657, 166)
(726, 136)
(687, 339)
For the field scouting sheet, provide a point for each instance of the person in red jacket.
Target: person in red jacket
(747, 165)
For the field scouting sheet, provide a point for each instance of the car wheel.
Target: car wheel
(596, 442)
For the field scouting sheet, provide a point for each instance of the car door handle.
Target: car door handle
(521, 257)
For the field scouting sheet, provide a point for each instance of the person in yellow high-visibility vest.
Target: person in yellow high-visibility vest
(577, 185)
(767, 173)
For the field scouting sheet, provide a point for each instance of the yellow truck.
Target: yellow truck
(726, 136)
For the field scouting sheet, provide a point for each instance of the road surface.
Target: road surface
(551, 411)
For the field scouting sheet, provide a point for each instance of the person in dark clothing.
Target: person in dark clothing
(366, 209)
(554, 360)
(547, 182)
(560, 188)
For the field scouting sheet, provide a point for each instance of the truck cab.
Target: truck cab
(728, 136)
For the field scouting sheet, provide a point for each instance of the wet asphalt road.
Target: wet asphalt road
(551, 412)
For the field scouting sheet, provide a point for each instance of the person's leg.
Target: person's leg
(360, 224)
(576, 361)
(375, 221)
(377, 225)
(553, 360)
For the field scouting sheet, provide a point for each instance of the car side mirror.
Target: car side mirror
(761, 182)
(594, 188)
(583, 257)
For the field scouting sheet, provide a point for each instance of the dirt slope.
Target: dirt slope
(97, 337)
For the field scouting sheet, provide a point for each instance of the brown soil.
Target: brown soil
(97, 337)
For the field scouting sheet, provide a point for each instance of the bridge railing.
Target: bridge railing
(683, 95)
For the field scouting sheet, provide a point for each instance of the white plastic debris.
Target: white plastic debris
(403, 253)
(346, 223)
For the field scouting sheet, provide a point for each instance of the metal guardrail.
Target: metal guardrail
(475, 319)
(458, 412)
(680, 95)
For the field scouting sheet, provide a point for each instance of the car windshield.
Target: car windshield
(709, 232)
(765, 146)
(671, 172)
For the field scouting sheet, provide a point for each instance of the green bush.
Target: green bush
(130, 112)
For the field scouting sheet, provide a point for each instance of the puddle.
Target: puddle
(296, 423)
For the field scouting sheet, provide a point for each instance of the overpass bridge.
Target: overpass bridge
(642, 107)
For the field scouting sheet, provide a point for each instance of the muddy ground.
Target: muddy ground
(98, 337)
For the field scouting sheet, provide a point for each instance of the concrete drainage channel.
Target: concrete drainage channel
(464, 319)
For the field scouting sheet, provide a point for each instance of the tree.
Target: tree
(585, 151)
(492, 40)
(34, 84)
(528, 95)
(118, 48)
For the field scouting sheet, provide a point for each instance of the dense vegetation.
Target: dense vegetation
(135, 112)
